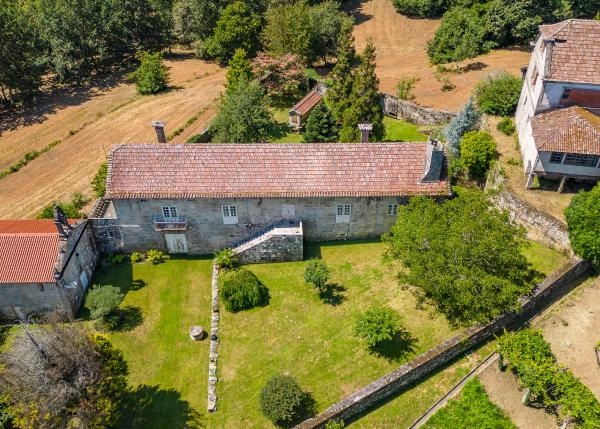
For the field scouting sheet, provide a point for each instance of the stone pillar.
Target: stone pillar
(159, 127)
(365, 129)
(562, 184)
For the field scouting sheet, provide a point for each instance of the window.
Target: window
(342, 214)
(392, 209)
(169, 212)
(556, 157)
(566, 93)
(229, 215)
(581, 160)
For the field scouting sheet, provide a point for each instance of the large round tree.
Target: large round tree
(583, 222)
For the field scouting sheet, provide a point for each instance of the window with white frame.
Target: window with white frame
(170, 213)
(342, 214)
(229, 214)
(392, 209)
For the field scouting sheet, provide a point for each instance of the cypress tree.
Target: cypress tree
(338, 94)
(466, 120)
(320, 126)
(240, 70)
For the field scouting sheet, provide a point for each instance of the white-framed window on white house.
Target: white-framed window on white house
(229, 214)
(170, 213)
(392, 209)
(342, 213)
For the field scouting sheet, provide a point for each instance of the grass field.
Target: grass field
(397, 130)
(280, 131)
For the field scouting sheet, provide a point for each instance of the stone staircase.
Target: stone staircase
(281, 240)
(99, 208)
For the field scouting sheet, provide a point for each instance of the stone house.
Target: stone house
(45, 265)
(200, 198)
(557, 116)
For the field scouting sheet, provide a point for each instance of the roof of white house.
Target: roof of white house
(275, 170)
(576, 50)
(573, 130)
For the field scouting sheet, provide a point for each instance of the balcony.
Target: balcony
(161, 224)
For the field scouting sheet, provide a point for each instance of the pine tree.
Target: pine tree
(321, 126)
(365, 105)
(466, 120)
(240, 70)
(338, 93)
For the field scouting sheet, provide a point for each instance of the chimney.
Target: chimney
(365, 129)
(159, 127)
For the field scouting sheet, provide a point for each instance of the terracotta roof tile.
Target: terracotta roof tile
(270, 170)
(309, 101)
(573, 130)
(576, 50)
(28, 251)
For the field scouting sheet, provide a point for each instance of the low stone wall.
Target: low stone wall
(213, 356)
(277, 248)
(556, 285)
(414, 113)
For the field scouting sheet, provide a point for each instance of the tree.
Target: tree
(365, 104)
(460, 36)
(320, 126)
(152, 75)
(58, 375)
(338, 93)
(238, 27)
(282, 400)
(195, 20)
(583, 224)
(463, 257)
(242, 117)
(282, 78)
(103, 300)
(239, 70)
(422, 8)
(242, 290)
(467, 120)
(477, 150)
(377, 324)
(498, 94)
(99, 181)
(317, 273)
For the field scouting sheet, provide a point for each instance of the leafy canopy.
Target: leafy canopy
(239, 70)
(477, 150)
(317, 273)
(583, 223)
(282, 400)
(462, 257)
(377, 324)
(152, 75)
(468, 119)
(99, 181)
(241, 290)
(498, 94)
(320, 126)
(102, 300)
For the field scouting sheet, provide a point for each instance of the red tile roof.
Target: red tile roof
(573, 130)
(576, 50)
(270, 170)
(309, 101)
(28, 251)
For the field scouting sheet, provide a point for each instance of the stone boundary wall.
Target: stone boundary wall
(554, 286)
(108, 235)
(276, 248)
(402, 109)
(213, 355)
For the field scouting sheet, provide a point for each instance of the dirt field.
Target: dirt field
(88, 126)
(401, 44)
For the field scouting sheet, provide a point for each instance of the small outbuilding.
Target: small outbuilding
(302, 109)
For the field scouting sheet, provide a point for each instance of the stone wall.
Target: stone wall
(414, 113)
(108, 235)
(553, 287)
(32, 298)
(276, 248)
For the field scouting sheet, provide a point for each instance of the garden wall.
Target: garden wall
(402, 109)
(554, 286)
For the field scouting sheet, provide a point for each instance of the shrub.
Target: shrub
(477, 149)
(332, 424)
(102, 300)
(152, 75)
(405, 86)
(466, 120)
(317, 273)
(282, 400)
(422, 8)
(99, 181)
(583, 224)
(72, 209)
(506, 126)
(377, 324)
(115, 258)
(498, 94)
(226, 258)
(241, 290)
(137, 257)
(154, 256)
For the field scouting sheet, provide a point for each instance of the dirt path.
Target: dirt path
(114, 116)
(401, 44)
(503, 390)
(573, 329)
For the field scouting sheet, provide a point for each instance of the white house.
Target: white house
(557, 116)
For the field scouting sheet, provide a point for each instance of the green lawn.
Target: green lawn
(280, 132)
(544, 259)
(397, 130)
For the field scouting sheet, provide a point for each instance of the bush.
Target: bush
(241, 290)
(422, 8)
(477, 150)
(317, 273)
(72, 209)
(405, 86)
(499, 94)
(467, 120)
(102, 300)
(152, 75)
(137, 257)
(99, 181)
(226, 258)
(583, 224)
(506, 126)
(377, 324)
(282, 400)
(154, 256)
(115, 258)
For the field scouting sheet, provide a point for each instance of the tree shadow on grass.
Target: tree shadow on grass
(307, 409)
(4, 329)
(150, 407)
(278, 130)
(136, 284)
(129, 318)
(333, 294)
(397, 348)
